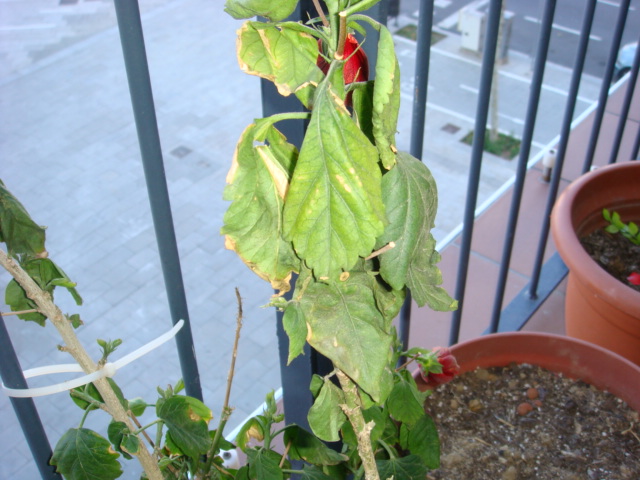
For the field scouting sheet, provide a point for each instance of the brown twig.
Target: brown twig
(386, 248)
(18, 312)
(284, 455)
(316, 4)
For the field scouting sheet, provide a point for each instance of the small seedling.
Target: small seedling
(616, 225)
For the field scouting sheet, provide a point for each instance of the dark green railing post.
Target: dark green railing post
(135, 59)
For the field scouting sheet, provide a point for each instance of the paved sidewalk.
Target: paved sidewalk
(70, 153)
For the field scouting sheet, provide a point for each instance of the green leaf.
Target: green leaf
(325, 415)
(305, 446)
(386, 99)
(422, 440)
(263, 464)
(296, 328)
(334, 210)
(137, 406)
(253, 223)
(346, 327)
(187, 419)
(21, 234)
(91, 390)
(117, 432)
(266, 51)
(17, 299)
(410, 467)
(82, 454)
(313, 473)
(274, 11)
(411, 199)
(406, 402)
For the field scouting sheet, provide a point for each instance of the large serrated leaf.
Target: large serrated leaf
(305, 446)
(264, 464)
(334, 208)
(410, 467)
(386, 99)
(325, 415)
(313, 473)
(422, 440)
(187, 419)
(345, 325)
(267, 51)
(411, 200)
(253, 222)
(82, 454)
(406, 402)
(21, 234)
(274, 11)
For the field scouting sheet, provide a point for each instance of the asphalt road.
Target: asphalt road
(567, 24)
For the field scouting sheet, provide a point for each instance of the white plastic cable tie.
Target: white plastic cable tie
(108, 370)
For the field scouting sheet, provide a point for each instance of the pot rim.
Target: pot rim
(570, 356)
(565, 219)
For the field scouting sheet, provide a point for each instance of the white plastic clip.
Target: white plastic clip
(108, 370)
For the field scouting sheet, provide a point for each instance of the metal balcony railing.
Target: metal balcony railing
(545, 276)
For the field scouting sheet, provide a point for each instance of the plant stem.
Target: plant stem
(316, 4)
(226, 411)
(18, 312)
(353, 411)
(74, 347)
(343, 36)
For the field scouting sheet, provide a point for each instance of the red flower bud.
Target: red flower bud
(356, 68)
(450, 368)
(634, 278)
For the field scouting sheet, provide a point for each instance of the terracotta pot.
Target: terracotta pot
(572, 357)
(598, 307)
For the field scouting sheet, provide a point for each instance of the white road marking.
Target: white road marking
(564, 29)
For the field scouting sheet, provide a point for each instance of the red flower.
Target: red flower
(450, 368)
(634, 278)
(356, 68)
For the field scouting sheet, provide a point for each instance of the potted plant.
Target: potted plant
(525, 406)
(598, 307)
(347, 213)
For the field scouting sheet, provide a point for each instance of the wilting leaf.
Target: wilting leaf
(346, 327)
(266, 51)
(325, 415)
(82, 454)
(306, 446)
(21, 234)
(386, 99)
(274, 11)
(411, 199)
(253, 222)
(252, 429)
(187, 419)
(17, 299)
(334, 206)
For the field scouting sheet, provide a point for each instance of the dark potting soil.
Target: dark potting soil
(615, 253)
(526, 423)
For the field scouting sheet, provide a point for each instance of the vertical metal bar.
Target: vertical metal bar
(572, 97)
(626, 106)
(525, 149)
(25, 408)
(623, 10)
(482, 112)
(135, 59)
(421, 81)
